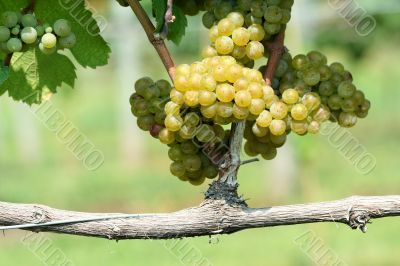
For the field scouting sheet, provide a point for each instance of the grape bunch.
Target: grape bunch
(223, 90)
(19, 32)
(195, 147)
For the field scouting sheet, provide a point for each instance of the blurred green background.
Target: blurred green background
(35, 167)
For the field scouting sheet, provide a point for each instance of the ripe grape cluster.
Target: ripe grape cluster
(192, 141)
(19, 32)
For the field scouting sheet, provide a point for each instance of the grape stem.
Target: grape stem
(30, 8)
(7, 60)
(276, 49)
(158, 43)
(250, 161)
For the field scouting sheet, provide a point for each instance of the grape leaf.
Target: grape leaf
(159, 7)
(32, 73)
(91, 50)
(4, 74)
(14, 5)
(178, 27)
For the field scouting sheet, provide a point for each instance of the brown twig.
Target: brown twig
(158, 43)
(30, 8)
(276, 49)
(7, 60)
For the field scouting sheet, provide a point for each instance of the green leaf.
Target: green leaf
(91, 50)
(178, 27)
(4, 74)
(14, 5)
(159, 7)
(32, 73)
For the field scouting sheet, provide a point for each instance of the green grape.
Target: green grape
(299, 127)
(272, 29)
(222, 10)
(142, 107)
(68, 41)
(225, 27)
(249, 20)
(237, 19)
(241, 36)
(177, 169)
(326, 88)
(29, 20)
(62, 28)
(142, 85)
(15, 31)
(358, 97)
(14, 45)
(225, 110)
(244, 5)
(240, 113)
(208, 19)
(259, 131)
(264, 119)
(47, 51)
(257, 32)
(164, 87)
(313, 127)
(239, 52)
(151, 93)
(361, 113)
(209, 5)
(290, 96)
(205, 133)
(224, 45)
(49, 40)
(347, 76)
(286, 16)
(277, 127)
(270, 154)
(325, 73)
(187, 132)
(166, 136)
(334, 102)
(145, 122)
(219, 132)
(190, 7)
(299, 111)
(160, 117)
(210, 172)
(365, 106)
(175, 153)
(29, 35)
(322, 114)
(188, 147)
(156, 105)
(311, 77)
(346, 89)
(281, 69)
(300, 62)
(191, 119)
(279, 110)
(287, 4)
(9, 19)
(40, 30)
(337, 68)
(254, 50)
(209, 111)
(348, 105)
(336, 79)
(197, 181)
(273, 14)
(316, 58)
(225, 92)
(257, 8)
(4, 34)
(347, 119)
(249, 149)
(311, 101)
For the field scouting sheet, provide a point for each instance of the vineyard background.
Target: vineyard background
(36, 167)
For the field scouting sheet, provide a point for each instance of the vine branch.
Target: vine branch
(276, 49)
(212, 217)
(158, 43)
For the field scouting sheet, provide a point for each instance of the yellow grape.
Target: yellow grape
(208, 51)
(181, 83)
(255, 90)
(257, 32)
(207, 98)
(277, 127)
(173, 122)
(254, 50)
(259, 131)
(225, 27)
(171, 108)
(213, 33)
(224, 45)
(240, 113)
(208, 83)
(234, 72)
(225, 92)
(192, 98)
(237, 19)
(299, 111)
(241, 84)
(177, 97)
(290, 96)
(166, 136)
(253, 75)
(183, 70)
(256, 106)
(209, 111)
(264, 119)
(299, 127)
(279, 110)
(241, 36)
(225, 110)
(239, 52)
(313, 127)
(243, 98)
(195, 81)
(219, 73)
(198, 68)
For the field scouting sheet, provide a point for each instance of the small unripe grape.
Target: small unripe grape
(317, 58)
(225, 92)
(334, 102)
(68, 41)
(145, 122)
(273, 14)
(225, 110)
(239, 52)
(208, 19)
(257, 32)
(256, 106)
(207, 98)
(259, 131)
(209, 111)
(270, 154)
(29, 20)
(49, 40)
(300, 62)
(4, 34)
(9, 19)
(40, 30)
(210, 172)
(186, 132)
(240, 113)
(348, 105)
(358, 97)
(279, 110)
(313, 127)
(254, 50)
(326, 88)
(325, 73)
(290, 96)
(347, 119)
(346, 89)
(311, 100)
(241, 36)
(222, 10)
(311, 77)
(271, 29)
(15, 31)
(166, 136)
(62, 27)
(47, 51)
(243, 98)
(299, 111)
(173, 122)
(278, 141)
(171, 108)
(29, 35)
(337, 68)
(286, 16)
(177, 169)
(224, 45)
(299, 127)
(164, 87)
(225, 27)
(249, 20)
(192, 98)
(277, 127)
(264, 119)
(14, 45)
(250, 149)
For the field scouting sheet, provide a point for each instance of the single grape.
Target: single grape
(240, 113)
(225, 27)
(241, 36)
(186, 132)
(346, 89)
(49, 40)
(337, 68)
(256, 90)
(197, 181)
(225, 92)
(313, 127)
(222, 10)
(210, 172)
(208, 19)
(224, 45)
(172, 108)
(326, 88)
(209, 111)
(300, 62)
(40, 30)
(142, 85)
(322, 114)
(9, 19)
(29, 20)
(249, 20)
(225, 110)
(164, 87)
(29, 35)
(270, 154)
(317, 58)
(325, 73)
(286, 16)
(243, 98)
(207, 98)
(15, 31)
(237, 19)
(272, 29)
(205, 133)
(208, 83)
(257, 32)
(348, 105)
(264, 119)
(334, 102)
(173, 122)
(14, 45)
(68, 41)
(279, 110)
(257, 8)
(189, 148)
(358, 97)
(62, 27)
(259, 131)
(4, 34)
(273, 14)
(347, 119)
(299, 111)
(177, 169)
(299, 127)
(47, 51)
(254, 50)
(311, 77)
(290, 96)
(208, 51)
(155, 130)
(166, 136)
(256, 106)
(311, 100)
(145, 122)
(277, 127)
(192, 98)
